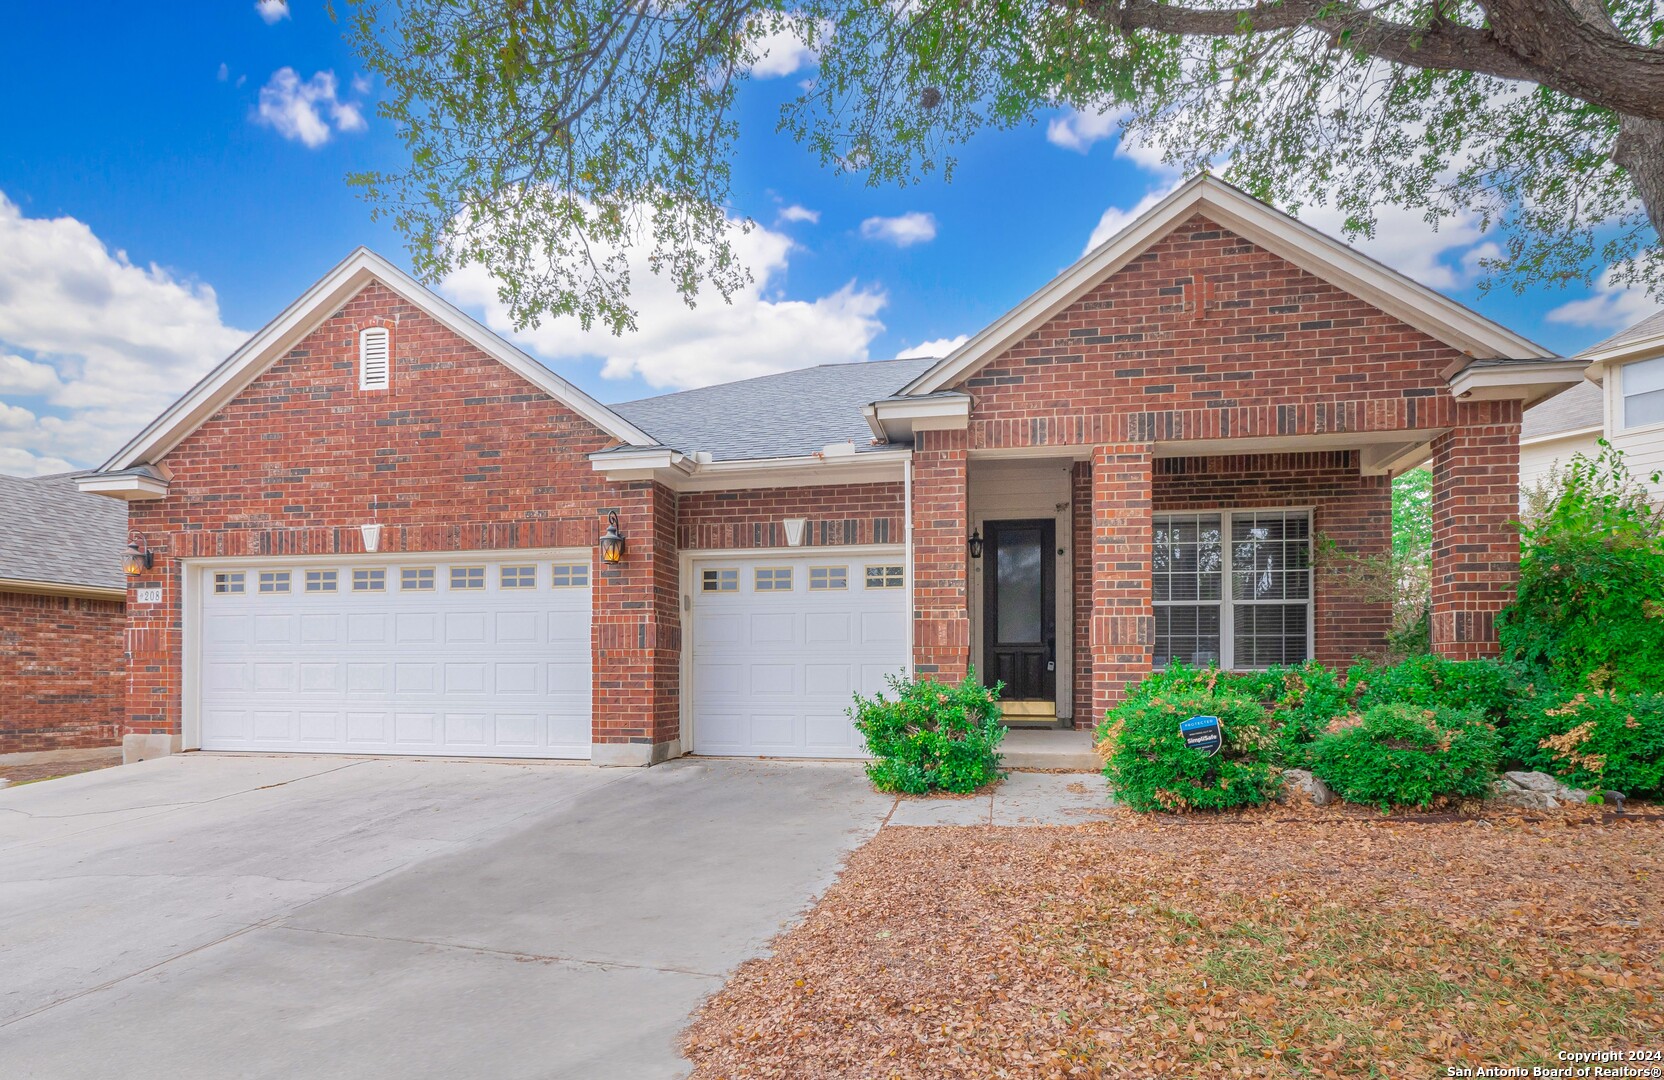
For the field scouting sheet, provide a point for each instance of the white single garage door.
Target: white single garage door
(474, 655)
(781, 643)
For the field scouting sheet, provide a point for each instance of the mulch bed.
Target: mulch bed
(1318, 945)
(26, 774)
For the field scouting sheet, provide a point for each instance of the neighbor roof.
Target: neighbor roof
(52, 534)
(791, 414)
(1576, 409)
(1651, 326)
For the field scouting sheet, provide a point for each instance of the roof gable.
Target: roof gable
(1305, 247)
(363, 266)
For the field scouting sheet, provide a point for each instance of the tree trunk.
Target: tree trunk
(1639, 151)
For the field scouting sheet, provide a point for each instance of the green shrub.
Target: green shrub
(1310, 698)
(1599, 740)
(1495, 689)
(1402, 755)
(1590, 609)
(1150, 768)
(931, 737)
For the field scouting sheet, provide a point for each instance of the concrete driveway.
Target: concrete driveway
(217, 916)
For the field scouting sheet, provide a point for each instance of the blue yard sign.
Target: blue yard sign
(1202, 734)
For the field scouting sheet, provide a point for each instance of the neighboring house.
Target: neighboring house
(378, 526)
(1629, 366)
(1557, 429)
(62, 616)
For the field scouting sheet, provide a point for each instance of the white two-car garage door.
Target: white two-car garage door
(461, 655)
(780, 644)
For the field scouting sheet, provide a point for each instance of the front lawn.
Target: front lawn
(1205, 947)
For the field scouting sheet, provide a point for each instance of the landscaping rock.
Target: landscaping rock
(1508, 793)
(1615, 799)
(1316, 790)
(1547, 785)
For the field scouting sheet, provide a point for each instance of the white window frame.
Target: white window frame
(574, 575)
(771, 575)
(1620, 418)
(719, 579)
(407, 574)
(364, 579)
(273, 582)
(323, 580)
(230, 583)
(465, 573)
(375, 372)
(517, 583)
(885, 579)
(1227, 602)
(832, 578)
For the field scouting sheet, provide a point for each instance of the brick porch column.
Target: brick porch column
(637, 636)
(1476, 549)
(1123, 621)
(941, 611)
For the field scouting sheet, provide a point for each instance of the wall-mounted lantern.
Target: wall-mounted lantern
(975, 543)
(612, 541)
(139, 558)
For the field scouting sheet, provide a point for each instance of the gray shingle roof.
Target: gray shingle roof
(1647, 327)
(1580, 407)
(791, 414)
(52, 533)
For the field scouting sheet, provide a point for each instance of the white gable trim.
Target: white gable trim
(303, 316)
(1323, 256)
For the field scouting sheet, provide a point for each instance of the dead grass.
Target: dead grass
(1341, 947)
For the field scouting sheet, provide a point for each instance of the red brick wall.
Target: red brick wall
(941, 612)
(1476, 549)
(1353, 511)
(1122, 630)
(836, 514)
(61, 672)
(460, 453)
(1207, 336)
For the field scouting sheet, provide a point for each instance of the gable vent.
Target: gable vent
(374, 365)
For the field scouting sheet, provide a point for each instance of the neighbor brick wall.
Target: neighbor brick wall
(459, 454)
(836, 514)
(1476, 547)
(61, 672)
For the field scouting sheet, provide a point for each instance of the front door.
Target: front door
(1019, 629)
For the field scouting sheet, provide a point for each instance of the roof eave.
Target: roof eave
(1528, 382)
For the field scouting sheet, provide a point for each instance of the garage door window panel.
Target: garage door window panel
(720, 580)
(570, 575)
(467, 578)
(416, 579)
(322, 581)
(518, 577)
(884, 577)
(369, 579)
(828, 578)
(229, 583)
(773, 579)
(274, 582)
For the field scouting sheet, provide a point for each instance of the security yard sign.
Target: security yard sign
(1202, 734)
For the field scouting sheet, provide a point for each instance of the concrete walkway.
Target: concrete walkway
(213, 916)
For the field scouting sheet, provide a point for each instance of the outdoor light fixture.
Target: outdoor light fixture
(138, 556)
(975, 543)
(612, 541)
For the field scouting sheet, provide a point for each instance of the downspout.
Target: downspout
(907, 553)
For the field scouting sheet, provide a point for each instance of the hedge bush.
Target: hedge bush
(1402, 755)
(1496, 690)
(929, 736)
(1150, 768)
(1590, 608)
(1600, 740)
(1310, 697)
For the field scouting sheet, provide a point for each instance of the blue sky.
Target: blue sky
(172, 176)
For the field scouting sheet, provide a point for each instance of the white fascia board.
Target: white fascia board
(310, 310)
(1327, 258)
(898, 419)
(642, 463)
(682, 473)
(1529, 383)
(54, 588)
(1570, 433)
(130, 487)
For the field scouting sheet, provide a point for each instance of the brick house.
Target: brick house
(62, 617)
(378, 526)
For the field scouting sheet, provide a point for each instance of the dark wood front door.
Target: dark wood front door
(1019, 609)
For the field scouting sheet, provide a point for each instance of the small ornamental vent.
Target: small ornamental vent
(373, 359)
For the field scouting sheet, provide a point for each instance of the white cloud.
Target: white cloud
(1078, 131)
(224, 72)
(935, 348)
(799, 213)
(782, 52)
(305, 111)
(272, 11)
(92, 347)
(675, 346)
(904, 230)
(1610, 307)
(1115, 219)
